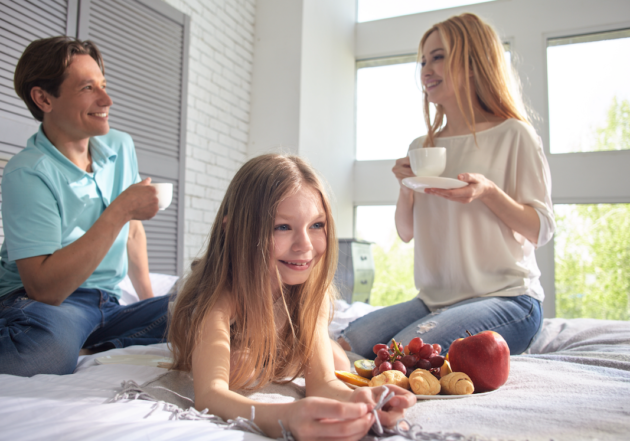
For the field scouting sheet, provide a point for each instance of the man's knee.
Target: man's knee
(29, 347)
(43, 357)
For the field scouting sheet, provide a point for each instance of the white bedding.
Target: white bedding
(575, 385)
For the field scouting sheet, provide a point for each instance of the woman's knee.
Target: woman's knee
(381, 325)
(520, 333)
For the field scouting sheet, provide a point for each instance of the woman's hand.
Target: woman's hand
(521, 218)
(478, 187)
(402, 170)
(394, 410)
(323, 418)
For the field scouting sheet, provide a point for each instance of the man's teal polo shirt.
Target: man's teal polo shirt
(48, 203)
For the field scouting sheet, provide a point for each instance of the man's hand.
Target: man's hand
(52, 278)
(138, 202)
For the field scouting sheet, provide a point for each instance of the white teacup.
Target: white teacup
(164, 194)
(428, 161)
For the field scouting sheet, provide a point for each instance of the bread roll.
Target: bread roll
(390, 377)
(457, 383)
(424, 383)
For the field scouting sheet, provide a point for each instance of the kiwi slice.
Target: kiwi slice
(364, 368)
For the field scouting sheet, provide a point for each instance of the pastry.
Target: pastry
(390, 377)
(457, 383)
(424, 383)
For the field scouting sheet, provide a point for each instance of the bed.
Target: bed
(573, 384)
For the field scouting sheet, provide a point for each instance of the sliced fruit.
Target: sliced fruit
(446, 369)
(364, 368)
(349, 377)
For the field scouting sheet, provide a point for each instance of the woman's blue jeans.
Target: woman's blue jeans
(517, 319)
(37, 338)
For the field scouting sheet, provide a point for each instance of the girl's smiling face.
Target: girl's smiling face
(299, 236)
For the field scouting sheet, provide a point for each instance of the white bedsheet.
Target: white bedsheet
(576, 387)
(73, 407)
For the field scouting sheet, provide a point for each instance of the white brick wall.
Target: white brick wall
(219, 82)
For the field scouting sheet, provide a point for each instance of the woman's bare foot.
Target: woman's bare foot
(344, 344)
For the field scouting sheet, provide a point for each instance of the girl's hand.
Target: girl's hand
(402, 170)
(322, 418)
(394, 410)
(478, 187)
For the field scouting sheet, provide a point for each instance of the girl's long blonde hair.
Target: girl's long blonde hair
(472, 44)
(237, 264)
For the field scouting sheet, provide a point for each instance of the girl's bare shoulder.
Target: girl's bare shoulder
(223, 305)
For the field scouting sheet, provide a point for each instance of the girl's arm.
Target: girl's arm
(322, 382)
(308, 418)
(404, 205)
(521, 218)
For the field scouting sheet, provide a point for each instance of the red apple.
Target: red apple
(484, 357)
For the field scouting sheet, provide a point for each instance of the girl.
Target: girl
(474, 246)
(255, 308)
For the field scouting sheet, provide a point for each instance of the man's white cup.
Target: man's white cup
(164, 194)
(428, 161)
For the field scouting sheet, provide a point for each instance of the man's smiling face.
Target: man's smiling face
(82, 108)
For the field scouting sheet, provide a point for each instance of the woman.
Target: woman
(474, 246)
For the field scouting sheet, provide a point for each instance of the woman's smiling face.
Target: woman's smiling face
(439, 89)
(299, 236)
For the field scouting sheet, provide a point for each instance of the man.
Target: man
(72, 202)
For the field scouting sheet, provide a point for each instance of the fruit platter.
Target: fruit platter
(477, 364)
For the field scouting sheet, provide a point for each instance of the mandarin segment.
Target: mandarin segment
(350, 378)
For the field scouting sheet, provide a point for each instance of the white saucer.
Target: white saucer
(437, 397)
(136, 359)
(419, 183)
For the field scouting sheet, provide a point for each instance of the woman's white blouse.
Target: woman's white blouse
(463, 251)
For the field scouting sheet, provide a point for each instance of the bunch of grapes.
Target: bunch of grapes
(416, 355)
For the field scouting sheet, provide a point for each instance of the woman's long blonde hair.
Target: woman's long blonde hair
(237, 264)
(472, 44)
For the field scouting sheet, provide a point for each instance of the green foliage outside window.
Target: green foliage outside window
(393, 281)
(616, 134)
(592, 243)
(593, 261)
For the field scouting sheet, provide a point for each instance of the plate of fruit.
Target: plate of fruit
(474, 365)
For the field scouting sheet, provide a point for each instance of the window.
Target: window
(586, 179)
(589, 112)
(369, 10)
(589, 92)
(393, 259)
(592, 261)
(389, 107)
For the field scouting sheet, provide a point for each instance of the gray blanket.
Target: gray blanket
(573, 384)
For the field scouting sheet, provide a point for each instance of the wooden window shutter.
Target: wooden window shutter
(145, 48)
(20, 23)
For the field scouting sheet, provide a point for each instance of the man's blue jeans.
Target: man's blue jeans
(37, 338)
(517, 319)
